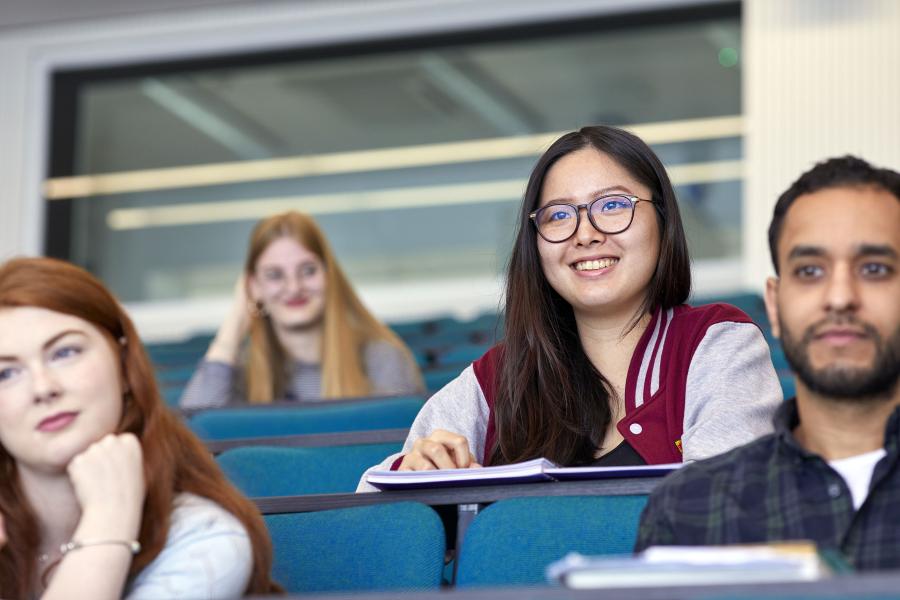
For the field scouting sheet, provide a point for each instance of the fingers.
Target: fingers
(440, 450)
(109, 472)
(2, 532)
(108, 478)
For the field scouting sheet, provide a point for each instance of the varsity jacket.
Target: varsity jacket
(700, 382)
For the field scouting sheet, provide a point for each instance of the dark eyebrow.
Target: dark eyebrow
(805, 251)
(862, 250)
(876, 250)
(595, 194)
(49, 342)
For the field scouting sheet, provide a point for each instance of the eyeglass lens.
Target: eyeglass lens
(611, 214)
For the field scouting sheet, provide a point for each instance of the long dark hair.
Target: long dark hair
(550, 400)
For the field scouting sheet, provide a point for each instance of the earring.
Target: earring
(258, 309)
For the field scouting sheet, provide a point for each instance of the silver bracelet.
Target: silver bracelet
(132, 546)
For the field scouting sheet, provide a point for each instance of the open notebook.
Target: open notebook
(539, 469)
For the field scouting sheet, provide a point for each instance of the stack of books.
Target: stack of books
(661, 566)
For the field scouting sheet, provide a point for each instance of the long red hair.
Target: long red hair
(175, 460)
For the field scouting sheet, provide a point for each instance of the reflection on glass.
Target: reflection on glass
(396, 225)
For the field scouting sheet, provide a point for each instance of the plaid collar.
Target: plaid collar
(787, 418)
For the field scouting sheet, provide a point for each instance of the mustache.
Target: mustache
(816, 328)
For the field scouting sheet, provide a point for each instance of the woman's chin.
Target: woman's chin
(299, 323)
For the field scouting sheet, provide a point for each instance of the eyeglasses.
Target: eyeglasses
(608, 214)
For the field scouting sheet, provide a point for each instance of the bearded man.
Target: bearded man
(831, 471)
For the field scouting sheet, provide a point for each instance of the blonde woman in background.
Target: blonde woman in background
(310, 336)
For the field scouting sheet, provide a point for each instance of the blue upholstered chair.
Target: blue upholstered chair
(462, 354)
(438, 377)
(290, 471)
(381, 547)
(511, 542)
(233, 423)
(171, 394)
(788, 386)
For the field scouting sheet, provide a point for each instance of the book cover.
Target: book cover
(694, 565)
(532, 470)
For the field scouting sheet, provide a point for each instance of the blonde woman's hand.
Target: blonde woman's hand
(108, 478)
(227, 343)
(440, 450)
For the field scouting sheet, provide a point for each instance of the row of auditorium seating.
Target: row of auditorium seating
(279, 451)
(403, 545)
(442, 347)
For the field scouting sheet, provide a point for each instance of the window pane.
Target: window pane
(407, 216)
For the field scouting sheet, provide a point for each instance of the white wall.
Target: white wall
(821, 79)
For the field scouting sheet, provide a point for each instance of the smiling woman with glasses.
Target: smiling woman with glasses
(601, 361)
(297, 331)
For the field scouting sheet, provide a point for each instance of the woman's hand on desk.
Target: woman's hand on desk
(440, 450)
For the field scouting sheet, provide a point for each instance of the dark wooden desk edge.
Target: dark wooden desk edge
(458, 495)
(857, 586)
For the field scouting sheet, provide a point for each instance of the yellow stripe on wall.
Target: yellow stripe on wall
(364, 160)
(386, 199)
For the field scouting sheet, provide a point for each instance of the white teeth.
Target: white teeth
(595, 265)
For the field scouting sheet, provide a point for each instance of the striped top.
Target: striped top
(217, 384)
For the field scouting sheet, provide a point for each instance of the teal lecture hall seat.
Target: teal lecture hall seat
(235, 423)
(512, 541)
(261, 471)
(398, 546)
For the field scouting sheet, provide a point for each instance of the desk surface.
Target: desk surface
(459, 495)
(882, 585)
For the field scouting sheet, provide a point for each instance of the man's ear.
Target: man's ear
(771, 298)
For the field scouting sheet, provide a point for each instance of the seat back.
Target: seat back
(260, 471)
(396, 546)
(233, 423)
(512, 541)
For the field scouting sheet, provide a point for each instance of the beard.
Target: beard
(846, 383)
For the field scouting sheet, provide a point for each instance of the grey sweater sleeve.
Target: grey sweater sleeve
(732, 391)
(212, 385)
(458, 407)
(390, 370)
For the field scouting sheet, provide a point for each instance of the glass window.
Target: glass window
(411, 154)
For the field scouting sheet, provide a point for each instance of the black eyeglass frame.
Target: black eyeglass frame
(587, 207)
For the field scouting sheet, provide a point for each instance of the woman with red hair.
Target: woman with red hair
(102, 489)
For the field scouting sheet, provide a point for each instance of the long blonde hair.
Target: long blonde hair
(347, 324)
